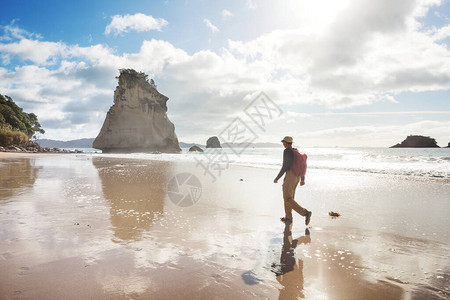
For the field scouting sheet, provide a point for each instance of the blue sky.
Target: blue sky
(344, 72)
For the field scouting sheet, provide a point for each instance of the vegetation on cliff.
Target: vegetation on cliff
(137, 75)
(16, 126)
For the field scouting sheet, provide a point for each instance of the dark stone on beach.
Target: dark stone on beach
(417, 141)
(213, 142)
(34, 147)
(195, 148)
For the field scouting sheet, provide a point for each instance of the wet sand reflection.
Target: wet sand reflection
(92, 227)
(15, 175)
(136, 191)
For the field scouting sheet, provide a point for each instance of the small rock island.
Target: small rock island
(137, 121)
(195, 148)
(213, 142)
(417, 141)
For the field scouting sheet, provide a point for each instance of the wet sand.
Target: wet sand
(96, 227)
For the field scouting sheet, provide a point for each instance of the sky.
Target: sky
(347, 73)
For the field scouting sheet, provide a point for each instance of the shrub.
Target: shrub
(11, 137)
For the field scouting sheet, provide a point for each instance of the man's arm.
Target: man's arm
(288, 159)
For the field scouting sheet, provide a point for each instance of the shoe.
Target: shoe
(308, 217)
(285, 220)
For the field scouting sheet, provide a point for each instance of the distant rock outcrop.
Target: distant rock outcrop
(195, 148)
(80, 143)
(213, 142)
(448, 146)
(137, 122)
(417, 141)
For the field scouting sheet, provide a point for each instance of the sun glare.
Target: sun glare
(312, 15)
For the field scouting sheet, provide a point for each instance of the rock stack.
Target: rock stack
(137, 122)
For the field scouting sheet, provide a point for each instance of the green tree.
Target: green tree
(14, 118)
(35, 126)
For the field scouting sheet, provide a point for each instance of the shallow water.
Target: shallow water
(106, 228)
(428, 163)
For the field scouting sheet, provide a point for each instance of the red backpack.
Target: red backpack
(299, 165)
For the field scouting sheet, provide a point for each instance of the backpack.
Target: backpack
(299, 165)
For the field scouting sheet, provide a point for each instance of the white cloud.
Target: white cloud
(359, 59)
(38, 52)
(12, 32)
(226, 14)
(441, 33)
(383, 113)
(208, 24)
(251, 4)
(137, 22)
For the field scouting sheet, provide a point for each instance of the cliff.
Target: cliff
(137, 121)
(417, 141)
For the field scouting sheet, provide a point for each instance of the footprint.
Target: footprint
(7, 255)
(24, 271)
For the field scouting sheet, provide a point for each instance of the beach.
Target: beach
(88, 226)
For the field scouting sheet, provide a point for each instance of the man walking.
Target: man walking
(294, 165)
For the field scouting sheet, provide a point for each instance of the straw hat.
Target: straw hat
(287, 139)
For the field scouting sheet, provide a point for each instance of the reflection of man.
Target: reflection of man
(289, 273)
(292, 162)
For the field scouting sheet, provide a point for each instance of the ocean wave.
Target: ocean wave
(432, 163)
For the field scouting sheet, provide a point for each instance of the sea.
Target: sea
(418, 162)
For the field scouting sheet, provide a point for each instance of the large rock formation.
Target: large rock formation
(213, 142)
(417, 141)
(137, 122)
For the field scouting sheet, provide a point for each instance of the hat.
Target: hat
(287, 139)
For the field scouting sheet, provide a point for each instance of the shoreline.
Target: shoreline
(4, 154)
(107, 228)
(13, 154)
(9, 154)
